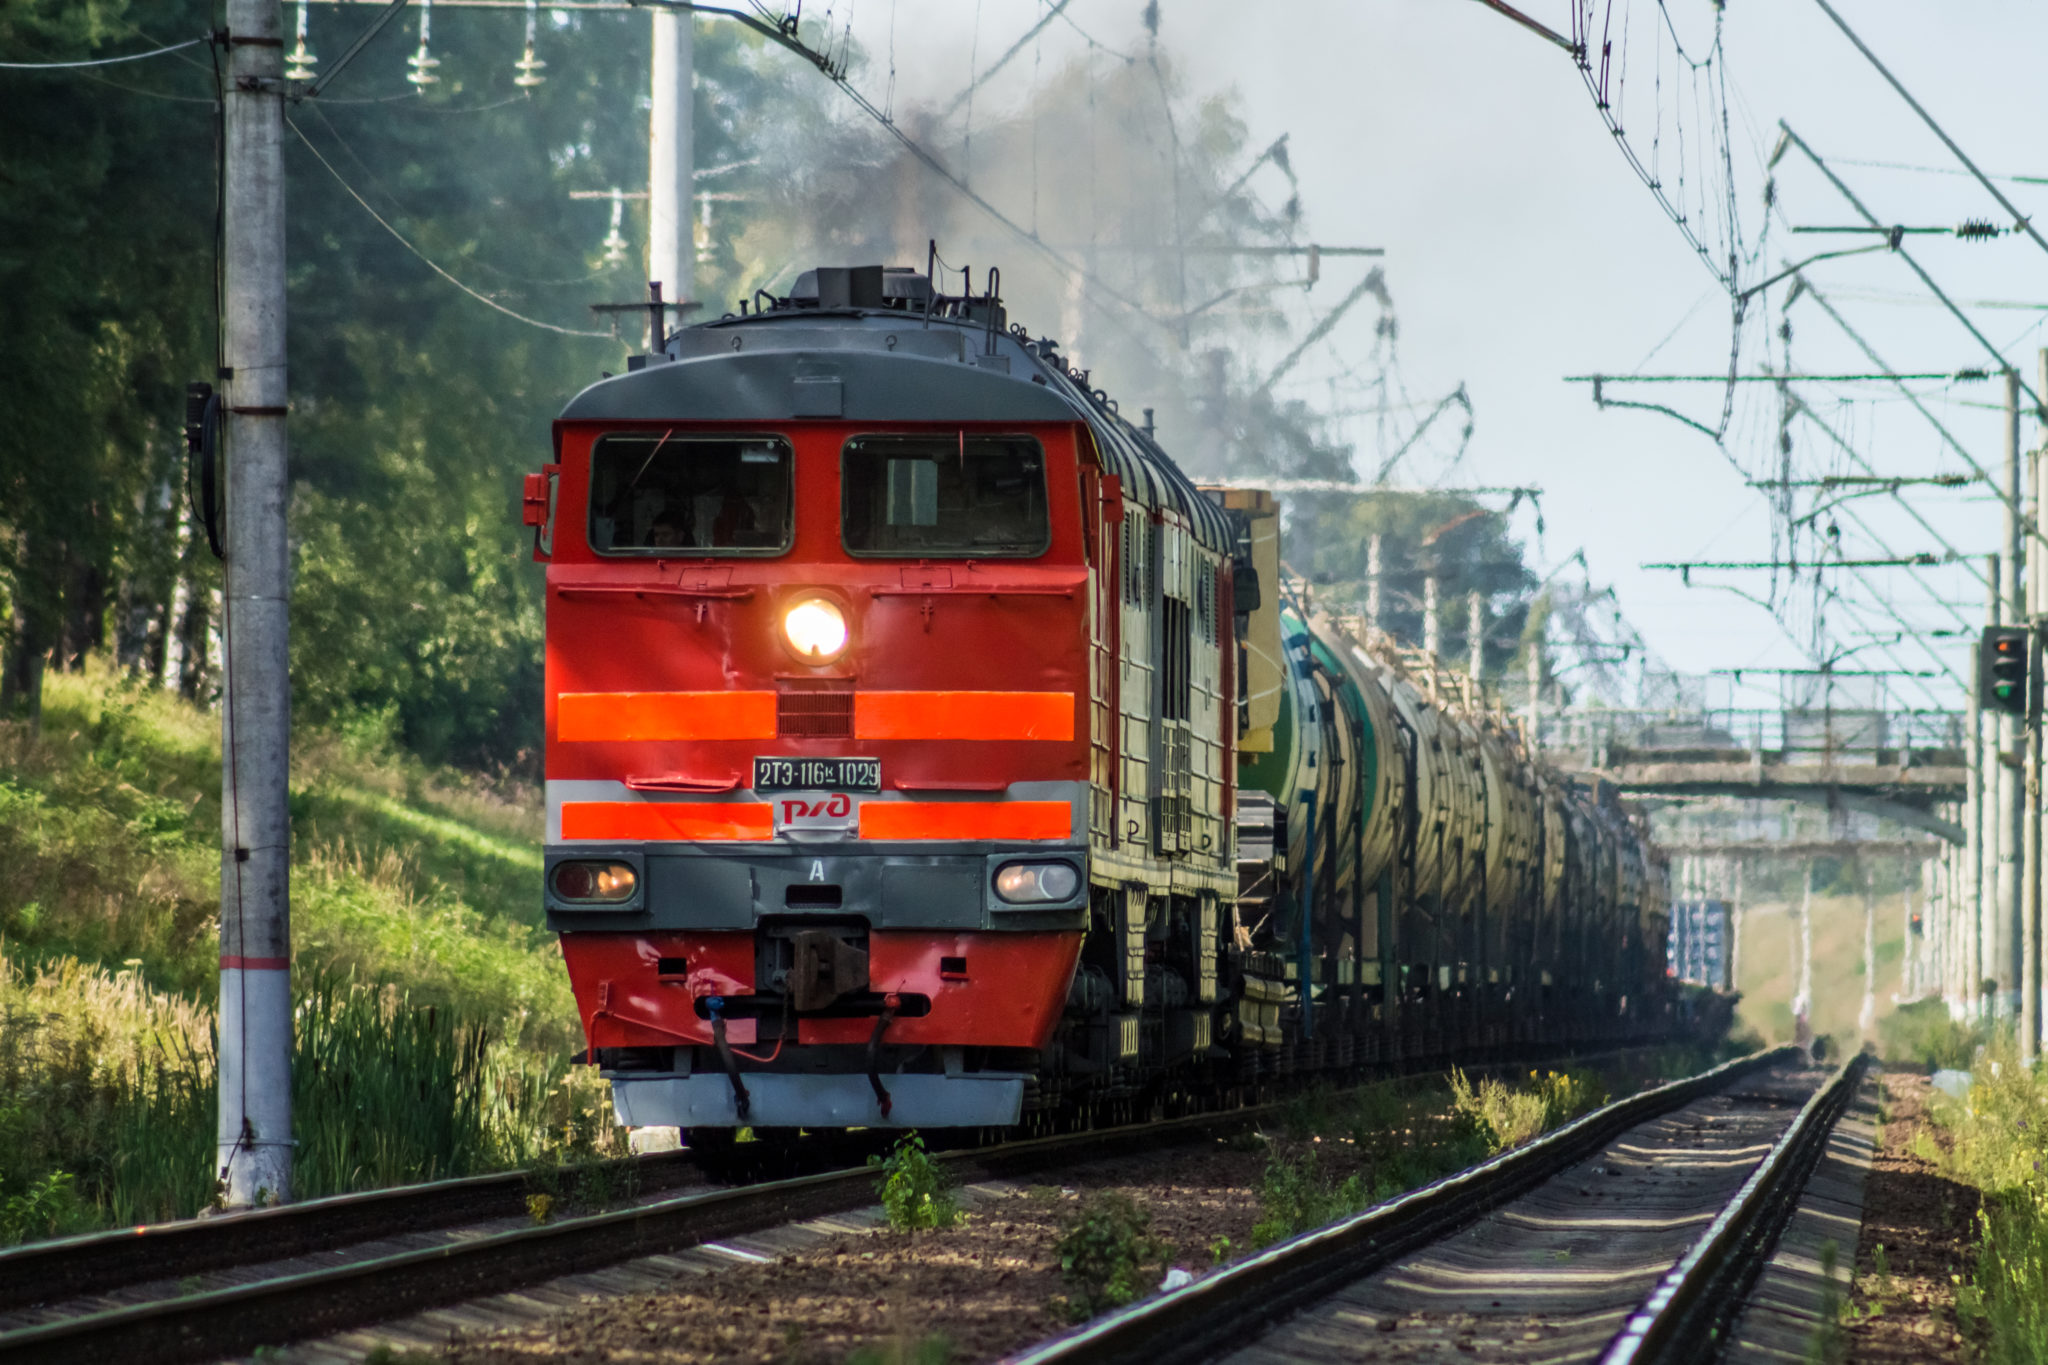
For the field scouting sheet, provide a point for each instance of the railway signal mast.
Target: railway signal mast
(255, 1132)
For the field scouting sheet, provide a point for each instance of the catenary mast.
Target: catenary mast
(255, 1143)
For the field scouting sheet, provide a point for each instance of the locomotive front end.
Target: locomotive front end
(817, 759)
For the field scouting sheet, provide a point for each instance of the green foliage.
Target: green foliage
(1295, 1196)
(1108, 1256)
(935, 1349)
(2000, 1132)
(916, 1192)
(1923, 1034)
(433, 1018)
(384, 1353)
(47, 1208)
(1464, 544)
(1511, 1116)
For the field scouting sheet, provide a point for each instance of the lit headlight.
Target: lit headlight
(815, 629)
(595, 883)
(1024, 883)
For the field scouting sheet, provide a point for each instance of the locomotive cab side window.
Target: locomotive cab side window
(708, 495)
(941, 495)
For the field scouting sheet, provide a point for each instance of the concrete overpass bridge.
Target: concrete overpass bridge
(1910, 767)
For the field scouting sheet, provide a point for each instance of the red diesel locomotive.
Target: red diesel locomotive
(893, 713)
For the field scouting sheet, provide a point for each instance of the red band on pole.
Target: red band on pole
(256, 964)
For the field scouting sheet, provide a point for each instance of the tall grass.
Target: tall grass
(433, 1021)
(2000, 1131)
(108, 1086)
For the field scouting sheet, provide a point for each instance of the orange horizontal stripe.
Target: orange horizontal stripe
(664, 715)
(963, 715)
(966, 820)
(667, 820)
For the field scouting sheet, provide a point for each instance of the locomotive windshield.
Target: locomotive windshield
(707, 495)
(922, 496)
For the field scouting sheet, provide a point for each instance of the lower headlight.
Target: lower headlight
(594, 883)
(1025, 883)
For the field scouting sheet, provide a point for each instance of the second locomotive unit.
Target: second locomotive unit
(925, 749)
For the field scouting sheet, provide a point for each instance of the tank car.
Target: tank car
(924, 749)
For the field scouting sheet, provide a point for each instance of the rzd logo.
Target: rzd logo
(802, 813)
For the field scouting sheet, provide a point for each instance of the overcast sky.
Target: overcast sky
(1521, 248)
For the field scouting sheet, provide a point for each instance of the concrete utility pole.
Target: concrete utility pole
(2037, 604)
(671, 242)
(2011, 787)
(1984, 767)
(1432, 627)
(255, 1134)
(1475, 634)
(1374, 567)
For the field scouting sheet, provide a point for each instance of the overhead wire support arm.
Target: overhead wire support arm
(1886, 377)
(1374, 283)
(1535, 27)
(1842, 189)
(2020, 220)
(1922, 561)
(784, 35)
(1983, 475)
(362, 41)
(1969, 561)
(1881, 482)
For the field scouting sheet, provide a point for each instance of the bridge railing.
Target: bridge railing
(1788, 735)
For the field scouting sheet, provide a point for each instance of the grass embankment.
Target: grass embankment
(1770, 966)
(433, 1022)
(1993, 1137)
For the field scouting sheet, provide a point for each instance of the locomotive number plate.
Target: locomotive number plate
(817, 774)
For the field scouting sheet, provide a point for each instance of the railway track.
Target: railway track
(1630, 1236)
(209, 1288)
(205, 1289)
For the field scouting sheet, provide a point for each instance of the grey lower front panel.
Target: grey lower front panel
(925, 1100)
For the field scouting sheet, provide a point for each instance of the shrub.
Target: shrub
(1512, 1116)
(1108, 1256)
(1923, 1034)
(1295, 1196)
(916, 1192)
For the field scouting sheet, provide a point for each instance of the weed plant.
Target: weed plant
(1296, 1195)
(1510, 1116)
(1108, 1256)
(916, 1192)
(2000, 1130)
(1923, 1034)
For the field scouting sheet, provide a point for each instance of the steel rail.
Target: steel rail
(100, 1262)
(96, 1262)
(233, 1321)
(1221, 1310)
(1687, 1315)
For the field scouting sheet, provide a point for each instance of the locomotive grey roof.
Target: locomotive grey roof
(886, 363)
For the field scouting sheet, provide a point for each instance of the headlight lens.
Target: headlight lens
(1028, 883)
(595, 883)
(815, 629)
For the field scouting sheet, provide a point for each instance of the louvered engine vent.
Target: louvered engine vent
(814, 711)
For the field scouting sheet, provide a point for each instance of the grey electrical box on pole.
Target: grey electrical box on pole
(255, 1134)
